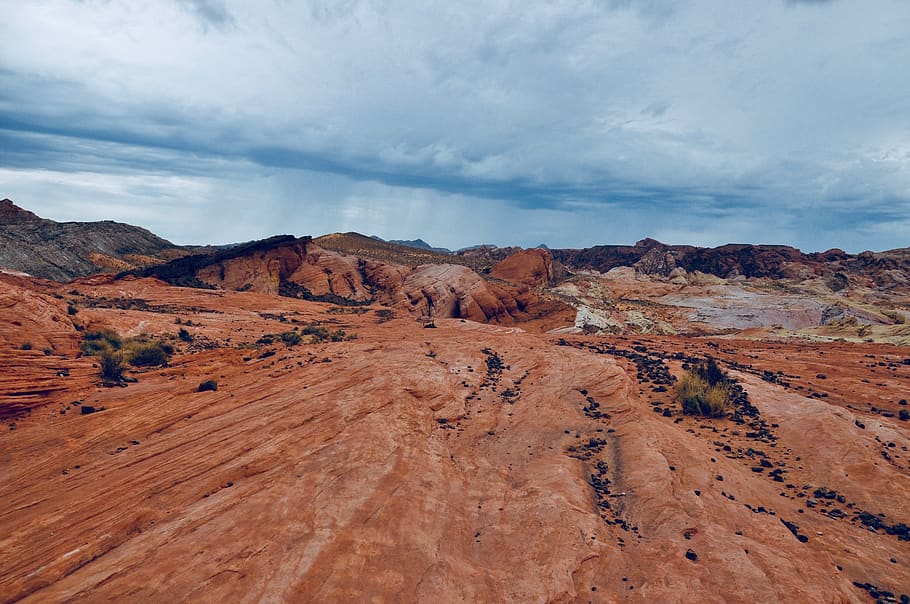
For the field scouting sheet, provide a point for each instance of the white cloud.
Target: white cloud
(638, 108)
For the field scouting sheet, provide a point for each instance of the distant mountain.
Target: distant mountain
(648, 256)
(420, 244)
(63, 251)
(376, 248)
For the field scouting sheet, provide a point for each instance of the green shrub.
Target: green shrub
(115, 352)
(211, 385)
(26, 346)
(71, 310)
(319, 333)
(112, 366)
(184, 335)
(101, 340)
(147, 354)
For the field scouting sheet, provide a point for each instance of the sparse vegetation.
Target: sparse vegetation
(208, 385)
(291, 338)
(26, 346)
(71, 310)
(101, 340)
(184, 335)
(352, 310)
(112, 366)
(319, 333)
(148, 354)
(385, 314)
(115, 352)
(705, 390)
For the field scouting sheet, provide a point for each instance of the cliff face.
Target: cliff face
(66, 250)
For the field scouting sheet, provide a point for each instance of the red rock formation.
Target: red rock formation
(300, 262)
(533, 268)
(300, 268)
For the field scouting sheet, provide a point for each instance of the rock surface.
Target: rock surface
(465, 463)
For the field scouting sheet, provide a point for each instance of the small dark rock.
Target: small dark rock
(691, 555)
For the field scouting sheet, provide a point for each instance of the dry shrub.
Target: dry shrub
(704, 390)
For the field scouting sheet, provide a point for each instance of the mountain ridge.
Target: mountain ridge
(62, 251)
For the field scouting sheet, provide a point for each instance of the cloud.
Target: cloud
(210, 12)
(609, 110)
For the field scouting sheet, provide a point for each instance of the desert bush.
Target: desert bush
(266, 339)
(210, 385)
(147, 354)
(319, 333)
(115, 352)
(71, 310)
(26, 346)
(112, 365)
(704, 390)
(291, 338)
(710, 372)
(184, 335)
(100, 340)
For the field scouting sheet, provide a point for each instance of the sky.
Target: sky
(569, 123)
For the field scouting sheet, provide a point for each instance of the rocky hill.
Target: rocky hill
(648, 256)
(299, 268)
(420, 244)
(355, 244)
(66, 250)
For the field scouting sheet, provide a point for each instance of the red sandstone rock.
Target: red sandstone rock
(402, 471)
(533, 268)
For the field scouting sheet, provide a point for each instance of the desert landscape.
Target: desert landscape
(339, 418)
(476, 302)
